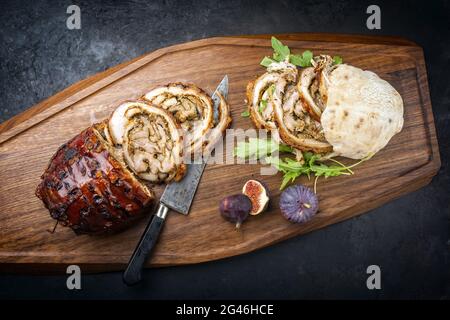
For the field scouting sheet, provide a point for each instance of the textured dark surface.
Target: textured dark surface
(407, 238)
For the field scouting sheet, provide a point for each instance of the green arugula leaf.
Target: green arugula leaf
(285, 148)
(292, 169)
(266, 61)
(288, 178)
(329, 171)
(337, 60)
(245, 114)
(281, 52)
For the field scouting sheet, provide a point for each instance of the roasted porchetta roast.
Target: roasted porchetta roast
(333, 110)
(100, 181)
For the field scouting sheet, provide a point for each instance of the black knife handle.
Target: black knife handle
(133, 273)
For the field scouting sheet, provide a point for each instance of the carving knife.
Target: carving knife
(177, 197)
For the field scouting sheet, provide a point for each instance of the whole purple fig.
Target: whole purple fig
(235, 208)
(298, 203)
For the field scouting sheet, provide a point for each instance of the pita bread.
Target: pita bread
(362, 113)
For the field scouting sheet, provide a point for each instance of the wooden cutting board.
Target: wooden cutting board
(28, 140)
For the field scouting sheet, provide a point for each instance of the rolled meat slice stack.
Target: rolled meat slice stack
(274, 104)
(260, 93)
(191, 107)
(88, 188)
(296, 125)
(313, 85)
(150, 140)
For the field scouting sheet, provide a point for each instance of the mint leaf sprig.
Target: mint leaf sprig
(282, 52)
(303, 60)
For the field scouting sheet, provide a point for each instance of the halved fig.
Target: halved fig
(191, 107)
(258, 195)
(150, 139)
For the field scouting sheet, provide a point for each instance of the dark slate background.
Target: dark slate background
(407, 238)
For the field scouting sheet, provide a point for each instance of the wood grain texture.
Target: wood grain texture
(27, 142)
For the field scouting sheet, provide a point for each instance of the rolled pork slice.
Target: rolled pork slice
(260, 93)
(221, 122)
(150, 140)
(191, 107)
(313, 85)
(296, 127)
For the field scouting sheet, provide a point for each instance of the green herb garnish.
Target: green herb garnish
(281, 52)
(262, 106)
(337, 60)
(303, 60)
(266, 61)
(259, 148)
(245, 114)
(292, 169)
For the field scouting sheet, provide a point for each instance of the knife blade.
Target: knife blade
(177, 196)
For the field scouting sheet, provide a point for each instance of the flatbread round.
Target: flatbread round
(362, 114)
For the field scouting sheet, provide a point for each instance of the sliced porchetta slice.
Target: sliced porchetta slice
(221, 121)
(191, 107)
(297, 128)
(313, 85)
(260, 92)
(151, 142)
(307, 76)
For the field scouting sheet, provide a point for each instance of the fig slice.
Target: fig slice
(258, 195)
